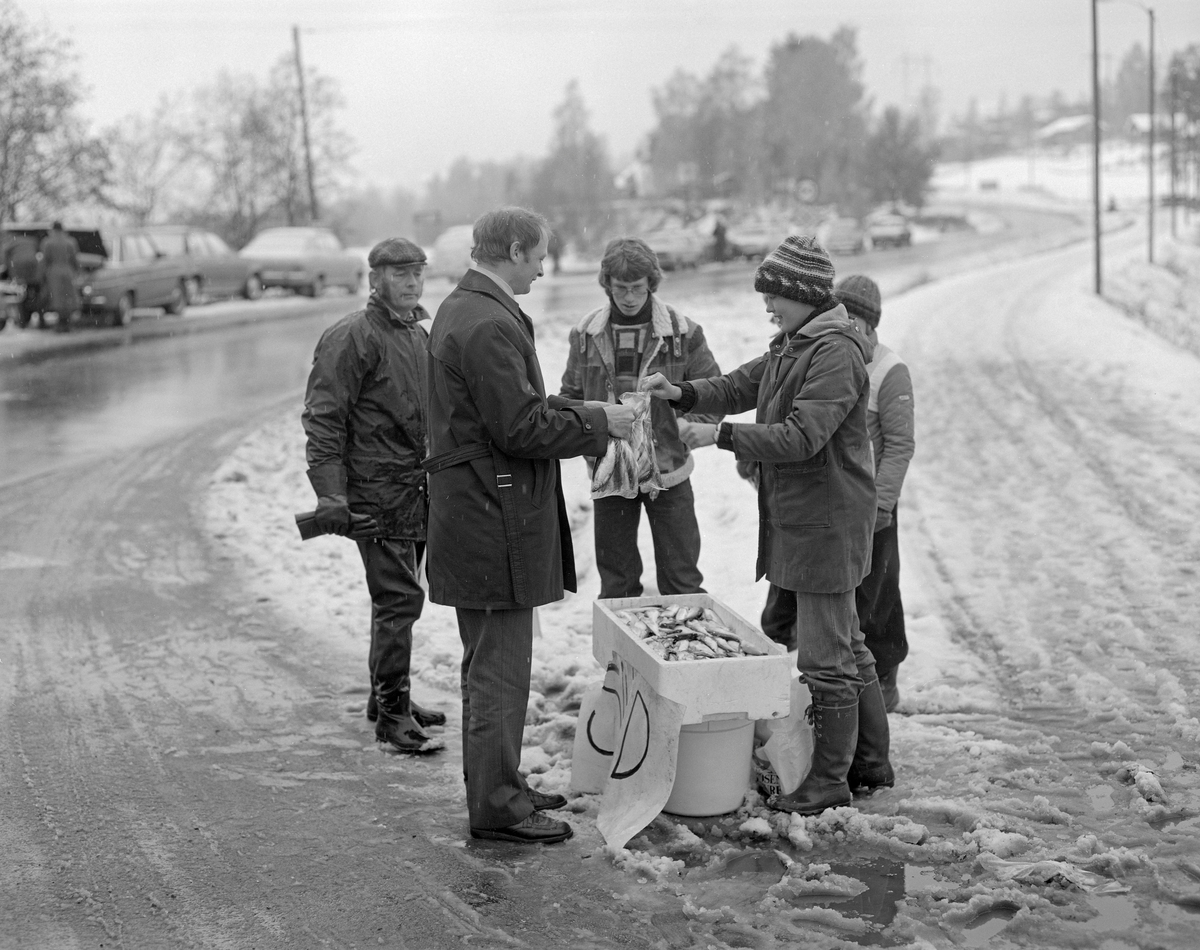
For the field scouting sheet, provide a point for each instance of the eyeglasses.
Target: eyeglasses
(632, 293)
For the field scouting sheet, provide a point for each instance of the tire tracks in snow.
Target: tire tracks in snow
(1050, 542)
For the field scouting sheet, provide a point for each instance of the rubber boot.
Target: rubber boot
(871, 768)
(424, 717)
(835, 732)
(396, 726)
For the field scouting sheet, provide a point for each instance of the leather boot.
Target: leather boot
(835, 732)
(424, 717)
(395, 725)
(871, 768)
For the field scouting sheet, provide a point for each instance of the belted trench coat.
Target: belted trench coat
(499, 536)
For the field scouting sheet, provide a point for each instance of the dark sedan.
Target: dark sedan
(213, 268)
(304, 259)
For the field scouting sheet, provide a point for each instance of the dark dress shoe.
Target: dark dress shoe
(424, 717)
(543, 802)
(536, 829)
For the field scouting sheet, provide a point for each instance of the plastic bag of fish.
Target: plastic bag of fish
(681, 633)
(630, 467)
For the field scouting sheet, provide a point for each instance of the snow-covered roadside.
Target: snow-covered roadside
(1041, 534)
(1164, 296)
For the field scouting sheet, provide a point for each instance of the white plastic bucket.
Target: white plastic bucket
(712, 771)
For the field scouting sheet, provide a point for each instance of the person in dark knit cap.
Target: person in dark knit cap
(816, 491)
(890, 423)
(364, 416)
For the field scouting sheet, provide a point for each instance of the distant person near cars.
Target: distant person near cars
(60, 265)
(720, 243)
(21, 263)
(631, 336)
(364, 416)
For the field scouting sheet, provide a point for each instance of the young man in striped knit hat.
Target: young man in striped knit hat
(816, 491)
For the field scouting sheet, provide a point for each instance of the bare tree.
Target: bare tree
(48, 160)
(244, 136)
(574, 182)
(150, 164)
(898, 161)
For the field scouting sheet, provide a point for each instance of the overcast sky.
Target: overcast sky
(428, 80)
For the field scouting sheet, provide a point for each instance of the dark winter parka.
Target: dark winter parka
(675, 347)
(816, 486)
(486, 393)
(364, 415)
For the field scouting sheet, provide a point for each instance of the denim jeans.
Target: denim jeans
(676, 537)
(831, 651)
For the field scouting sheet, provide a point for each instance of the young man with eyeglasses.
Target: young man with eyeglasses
(631, 336)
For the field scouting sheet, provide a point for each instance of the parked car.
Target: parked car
(844, 236)
(677, 248)
(304, 259)
(452, 252)
(887, 229)
(214, 269)
(118, 271)
(754, 241)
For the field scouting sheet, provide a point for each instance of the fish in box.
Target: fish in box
(694, 650)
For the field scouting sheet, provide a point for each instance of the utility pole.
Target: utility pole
(1174, 106)
(1150, 229)
(1096, 142)
(308, 165)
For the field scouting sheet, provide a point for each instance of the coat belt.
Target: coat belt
(508, 506)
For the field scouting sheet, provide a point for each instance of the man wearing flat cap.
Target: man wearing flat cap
(364, 415)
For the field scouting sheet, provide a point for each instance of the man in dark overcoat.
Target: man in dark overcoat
(499, 541)
(60, 264)
(364, 416)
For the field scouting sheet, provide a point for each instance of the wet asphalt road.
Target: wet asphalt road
(131, 663)
(89, 403)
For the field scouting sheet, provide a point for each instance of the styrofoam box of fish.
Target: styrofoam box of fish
(752, 682)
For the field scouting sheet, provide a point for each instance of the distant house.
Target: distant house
(1139, 124)
(1067, 130)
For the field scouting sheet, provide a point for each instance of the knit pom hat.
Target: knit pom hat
(860, 294)
(799, 269)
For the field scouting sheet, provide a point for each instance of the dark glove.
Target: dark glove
(748, 470)
(363, 527)
(882, 519)
(333, 514)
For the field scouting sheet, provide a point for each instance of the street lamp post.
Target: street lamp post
(1150, 238)
(1150, 159)
(1096, 143)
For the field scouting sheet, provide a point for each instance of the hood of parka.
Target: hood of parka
(824, 323)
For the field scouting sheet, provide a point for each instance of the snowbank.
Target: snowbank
(986, 794)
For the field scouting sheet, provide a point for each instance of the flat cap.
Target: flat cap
(395, 251)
